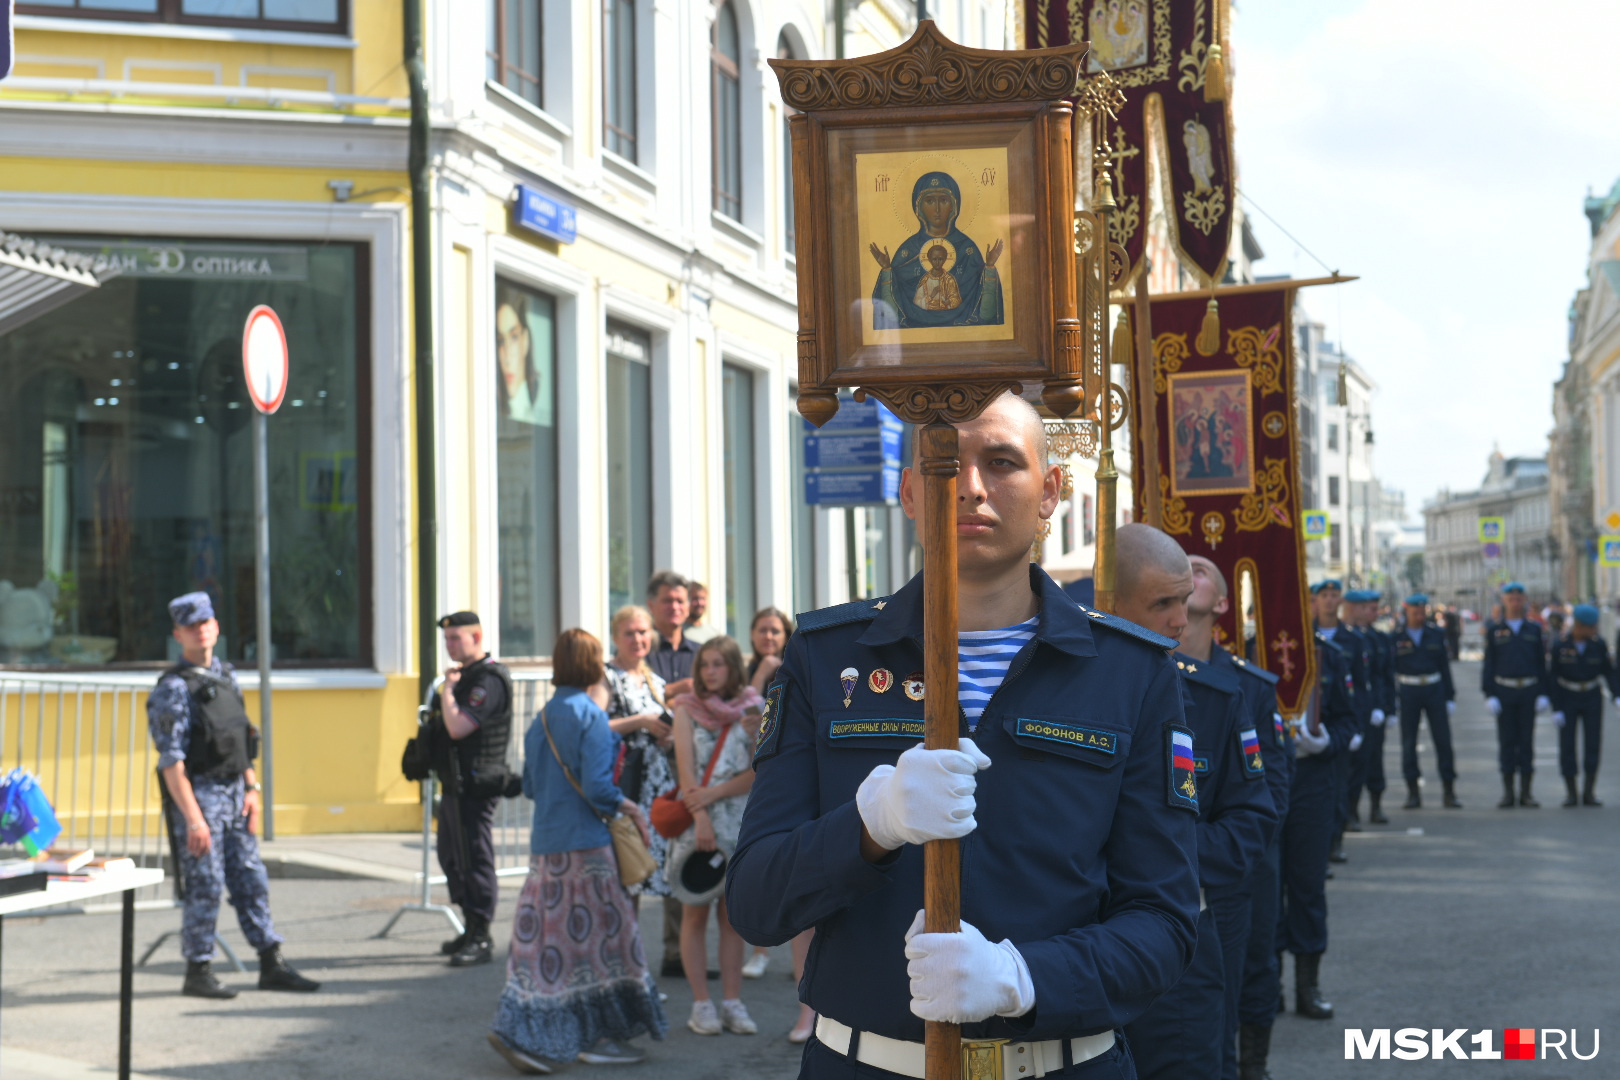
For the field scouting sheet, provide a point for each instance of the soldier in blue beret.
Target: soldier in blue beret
(1367, 763)
(1581, 666)
(206, 746)
(1513, 679)
(1068, 715)
(1327, 601)
(1422, 666)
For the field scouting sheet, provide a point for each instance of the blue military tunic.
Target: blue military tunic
(1578, 673)
(1515, 673)
(232, 860)
(1422, 672)
(1084, 852)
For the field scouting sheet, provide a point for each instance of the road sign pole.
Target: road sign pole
(261, 559)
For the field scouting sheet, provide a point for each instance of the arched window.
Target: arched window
(726, 112)
(784, 51)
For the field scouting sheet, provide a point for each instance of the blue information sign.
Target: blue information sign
(6, 51)
(857, 487)
(545, 215)
(854, 459)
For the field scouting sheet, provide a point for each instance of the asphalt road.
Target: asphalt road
(1475, 918)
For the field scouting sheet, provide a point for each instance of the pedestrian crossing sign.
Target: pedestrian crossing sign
(1609, 550)
(1316, 524)
(1491, 530)
(1613, 521)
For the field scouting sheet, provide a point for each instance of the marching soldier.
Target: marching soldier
(1188, 1028)
(1514, 682)
(1068, 714)
(1367, 763)
(1326, 599)
(1581, 664)
(1423, 679)
(1321, 737)
(206, 746)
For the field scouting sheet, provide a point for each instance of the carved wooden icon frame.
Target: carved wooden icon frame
(934, 190)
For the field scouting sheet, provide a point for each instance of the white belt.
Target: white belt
(1518, 684)
(1417, 680)
(1005, 1060)
(1580, 687)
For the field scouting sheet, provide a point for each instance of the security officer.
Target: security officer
(1422, 666)
(1321, 737)
(1196, 1023)
(1580, 666)
(206, 746)
(1367, 763)
(1327, 597)
(471, 731)
(1514, 682)
(1067, 933)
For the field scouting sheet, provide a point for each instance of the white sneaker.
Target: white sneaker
(755, 965)
(704, 1020)
(734, 1015)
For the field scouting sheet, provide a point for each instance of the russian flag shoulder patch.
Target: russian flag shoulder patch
(1253, 763)
(1183, 782)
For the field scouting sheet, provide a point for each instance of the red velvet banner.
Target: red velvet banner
(1158, 52)
(1225, 451)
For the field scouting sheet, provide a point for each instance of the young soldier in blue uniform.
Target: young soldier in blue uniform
(206, 747)
(1580, 666)
(1422, 667)
(1194, 1025)
(1514, 682)
(1368, 769)
(1327, 598)
(1079, 890)
(1320, 740)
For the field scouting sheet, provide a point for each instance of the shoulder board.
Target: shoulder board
(1130, 629)
(1256, 670)
(1328, 642)
(840, 614)
(1206, 675)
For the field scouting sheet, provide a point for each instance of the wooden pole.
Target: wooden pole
(1147, 417)
(942, 860)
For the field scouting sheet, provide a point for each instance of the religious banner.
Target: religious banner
(1162, 54)
(1228, 467)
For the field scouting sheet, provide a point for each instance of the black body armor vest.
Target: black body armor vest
(477, 764)
(222, 742)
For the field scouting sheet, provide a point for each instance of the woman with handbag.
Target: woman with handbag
(577, 986)
(710, 736)
(635, 708)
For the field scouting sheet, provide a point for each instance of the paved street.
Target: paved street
(1478, 918)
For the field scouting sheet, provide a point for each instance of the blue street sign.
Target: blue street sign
(6, 50)
(852, 451)
(854, 460)
(858, 414)
(547, 216)
(857, 487)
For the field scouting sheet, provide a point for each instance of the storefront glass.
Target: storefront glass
(126, 433)
(629, 464)
(737, 385)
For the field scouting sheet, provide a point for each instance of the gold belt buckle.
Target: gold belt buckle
(981, 1060)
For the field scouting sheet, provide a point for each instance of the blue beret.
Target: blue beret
(1418, 599)
(191, 609)
(1327, 583)
(1586, 614)
(1361, 596)
(1512, 586)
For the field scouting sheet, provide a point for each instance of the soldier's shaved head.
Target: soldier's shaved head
(1034, 426)
(1152, 579)
(1207, 568)
(1139, 547)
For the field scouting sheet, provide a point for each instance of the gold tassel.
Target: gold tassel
(1122, 341)
(1209, 334)
(1215, 74)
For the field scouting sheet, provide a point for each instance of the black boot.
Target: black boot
(1525, 798)
(1282, 995)
(276, 974)
(1449, 798)
(1254, 1047)
(1336, 852)
(1587, 798)
(1307, 995)
(1571, 796)
(200, 982)
(1509, 800)
(1414, 798)
(457, 943)
(1352, 820)
(478, 949)
(1375, 808)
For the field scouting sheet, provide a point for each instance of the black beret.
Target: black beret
(460, 618)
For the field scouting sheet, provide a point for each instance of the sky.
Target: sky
(1442, 150)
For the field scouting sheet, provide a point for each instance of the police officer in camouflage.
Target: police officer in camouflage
(470, 735)
(206, 747)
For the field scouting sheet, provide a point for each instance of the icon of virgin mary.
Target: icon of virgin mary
(938, 277)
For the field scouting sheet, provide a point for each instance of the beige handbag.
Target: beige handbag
(636, 863)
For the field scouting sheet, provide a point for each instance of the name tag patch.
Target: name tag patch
(1092, 739)
(1200, 765)
(875, 729)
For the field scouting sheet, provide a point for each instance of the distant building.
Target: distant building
(1458, 567)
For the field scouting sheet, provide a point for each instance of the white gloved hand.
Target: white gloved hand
(1451, 707)
(1558, 719)
(1355, 742)
(1542, 704)
(1493, 705)
(1378, 718)
(1306, 744)
(926, 795)
(1617, 701)
(963, 978)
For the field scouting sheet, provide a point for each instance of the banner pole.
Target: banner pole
(1146, 404)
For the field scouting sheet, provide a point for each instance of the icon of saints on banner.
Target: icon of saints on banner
(935, 226)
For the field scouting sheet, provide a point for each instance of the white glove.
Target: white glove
(1306, 744)
(1493, 705)
(1542, 704)
(926, 795)
(963, 978)
(1617, 701)
(1378, 718)
(1558, 719)
(1451, 707)
(1355, 742)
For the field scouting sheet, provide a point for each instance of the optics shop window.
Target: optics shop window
(127, 435)
(318, 16)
